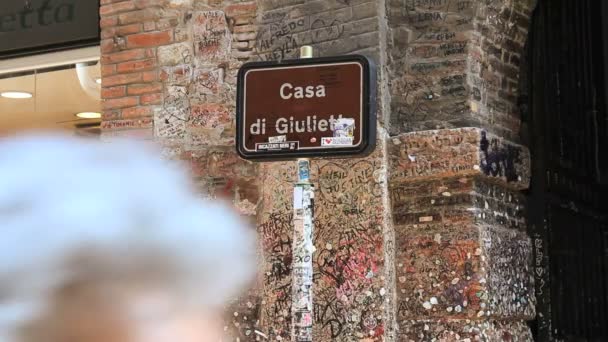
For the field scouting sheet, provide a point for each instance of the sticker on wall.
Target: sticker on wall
(337, 141)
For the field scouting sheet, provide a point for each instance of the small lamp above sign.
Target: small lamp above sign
(310, 107)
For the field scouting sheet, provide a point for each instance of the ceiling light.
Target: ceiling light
(16, 94)
(89, 115)
(98, 80)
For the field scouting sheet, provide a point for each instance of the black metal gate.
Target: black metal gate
(568, 137)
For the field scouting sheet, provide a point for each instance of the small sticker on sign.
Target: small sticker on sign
(344, 127)
(277, 139)
(337, 141)
(280, 146)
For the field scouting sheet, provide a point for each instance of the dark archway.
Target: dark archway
(567, 129)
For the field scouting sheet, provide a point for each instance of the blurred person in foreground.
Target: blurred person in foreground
(108, 243)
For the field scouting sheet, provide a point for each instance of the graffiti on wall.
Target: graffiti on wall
(349, 259)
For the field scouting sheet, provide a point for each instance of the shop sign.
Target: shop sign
(34, 26)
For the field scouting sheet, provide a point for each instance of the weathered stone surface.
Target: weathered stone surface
(462, 251)
(211, 124)
(456, 153)
(353, 276)
(179, 75)
(465, 330)
(208, 81)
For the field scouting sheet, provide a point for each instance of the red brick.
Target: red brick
(120, 102)
(240, 9)
(149, 39)
(123, 56)
(149, 99)
(141, 65)
(108, 69)
(139, 16)
(120, 30)
(108, 32)
(136, 112)
(113, 92)
(115, 8)
(108, 22)
(128, 29)
(108, 46)
(150, 76)
(122, 79)
(127, 124)
(149, 3)
(144, 88)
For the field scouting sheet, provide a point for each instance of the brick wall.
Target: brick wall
(168, 74)
(456, 63)
(425, 238)
(168, 71)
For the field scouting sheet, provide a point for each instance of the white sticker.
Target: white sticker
(337, 141)
(277, 139)
(288, 145)
(298, 198)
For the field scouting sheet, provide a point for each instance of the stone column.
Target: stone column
(463, 257)
(353, 264)
(463, 260)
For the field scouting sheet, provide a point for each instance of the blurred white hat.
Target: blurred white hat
(60, 194)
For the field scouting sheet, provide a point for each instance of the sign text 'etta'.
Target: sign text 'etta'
(305, 108)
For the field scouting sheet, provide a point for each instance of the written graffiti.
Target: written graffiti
(539, 269)
(281, 38)
(322, 31)
(335, 180)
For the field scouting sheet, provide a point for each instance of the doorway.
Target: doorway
(567, 120)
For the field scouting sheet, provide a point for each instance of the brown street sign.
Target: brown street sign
(314, 107)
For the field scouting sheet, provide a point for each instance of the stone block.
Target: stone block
(212, 39)
(174, 54)
(208, 81)
(170, 119)
(211, 124)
